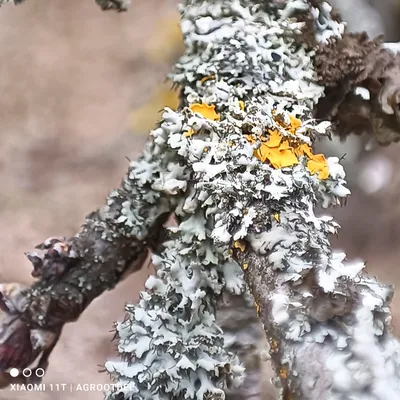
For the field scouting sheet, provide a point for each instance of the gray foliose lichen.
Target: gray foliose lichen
(243, 137)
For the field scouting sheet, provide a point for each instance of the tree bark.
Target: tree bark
(113, 242)
(236, 165)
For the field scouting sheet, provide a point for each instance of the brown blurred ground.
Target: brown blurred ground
(70, 76)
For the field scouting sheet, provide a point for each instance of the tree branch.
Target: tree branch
(73, 272)
(324, 344)
(251, 89)
(238, 159)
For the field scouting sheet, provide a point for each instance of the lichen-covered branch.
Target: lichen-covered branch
(72, 272)
(329, 331)
(251, 87)
(170, 343)
(238, 159)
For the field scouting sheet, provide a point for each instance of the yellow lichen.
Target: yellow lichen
(189, 133)
(245, 266)
(318, 164)
(207, 111)
(282, 158)
(258, 309)
(278, 153)
(283, 373)
(284, 151)
(303, 149)
(274, 139)
(239, 244)
(207, 78)
(241, 105)
(276, 217)
(285, 145)
(262, 153)
(274, 344)
(294, 124)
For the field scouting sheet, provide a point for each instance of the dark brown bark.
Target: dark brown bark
(355, 61)
(113, 242)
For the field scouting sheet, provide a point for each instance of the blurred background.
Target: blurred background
(79, 91)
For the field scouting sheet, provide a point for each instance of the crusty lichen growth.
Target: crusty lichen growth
(112, 240)
(170, 344)
(246, 132)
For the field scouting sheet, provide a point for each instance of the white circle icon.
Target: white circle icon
(14, 372)
(39, 372)
(26, 372)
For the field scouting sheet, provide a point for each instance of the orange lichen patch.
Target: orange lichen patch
(278, 153)
(274, 139)
(291, 127)
(283, 373)
(207, 78)
(318, 164)
(262, 153)
(241, 105)
(276, 217)
(282, 158)
(284, 151)
(245, 266)
(285, 145)
(189, 133)
(303, 149)
(258, 309)
(294, 122)
(207, 111)
(239, 244)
